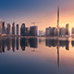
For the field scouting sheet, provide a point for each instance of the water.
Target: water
(36, 56)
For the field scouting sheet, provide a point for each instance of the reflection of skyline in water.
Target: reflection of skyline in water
(54, 43)
(14, 43)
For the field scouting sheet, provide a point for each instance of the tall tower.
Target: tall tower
(58, 22)
(23, 29)
(13, 28)
(17, 29)
(3, 28)
(8, 28)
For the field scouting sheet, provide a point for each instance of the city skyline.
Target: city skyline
(42, 11)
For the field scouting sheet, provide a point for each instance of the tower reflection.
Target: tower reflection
(72, 43)
(22, 44)
(58, 43)
(33, 42)
(54, 43)
(17, 43)
(8, 43)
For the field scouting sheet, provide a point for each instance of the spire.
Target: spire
(58, 18)
(58, 21)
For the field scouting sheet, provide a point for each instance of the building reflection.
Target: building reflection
(30, 42)
(17, 43)
(58, 53)
(33, 42)
(3, 45)
(22, 44)
(58, 43)
(13, 44)
(0, 46)
(54, 43)
(72, 43)
(8, 43)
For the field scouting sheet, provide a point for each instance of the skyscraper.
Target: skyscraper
(58, 22)
(17, 29)
(33, 30)
(22, 29)
(67, 29)
(3, 27)
(8, 28)
(13, 28)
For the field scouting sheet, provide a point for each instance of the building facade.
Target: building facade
(3, 27)
(8, 28)
(67, 29)
(22, 29)
(13, 28)
(17, 29)
(62, 31)
(33, 31)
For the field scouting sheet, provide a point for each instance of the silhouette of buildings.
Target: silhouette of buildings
(8, 28)
(47, 31)
(3, 28)
(67, 29)
(62, 31)
(33, 31)
(51, 31)
(17, 29)
(22, 29)
(13, 28)
(27, 31)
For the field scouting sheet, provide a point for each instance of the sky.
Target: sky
(43, 12)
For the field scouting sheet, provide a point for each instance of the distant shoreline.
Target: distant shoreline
(47, 37)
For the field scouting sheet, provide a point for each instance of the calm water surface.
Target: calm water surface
(36, 56)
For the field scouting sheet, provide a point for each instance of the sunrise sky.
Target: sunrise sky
(43, 12)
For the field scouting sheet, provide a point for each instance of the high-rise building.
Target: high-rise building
(47, 31)
(72, 31)
(17, 29)
(62, 31)
(33, 31)
(22, 29)
(58, 22)
(54, 31)
(8, 28)
(13, 28)
(41, 32)
(27, 31)
(3, 28)
(67, 29)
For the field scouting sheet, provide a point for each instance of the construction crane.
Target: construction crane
(34, 23)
